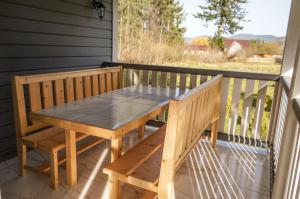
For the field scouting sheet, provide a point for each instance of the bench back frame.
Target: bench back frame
(189, 116)
(51, 89)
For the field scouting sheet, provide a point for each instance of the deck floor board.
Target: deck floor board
(232, 171)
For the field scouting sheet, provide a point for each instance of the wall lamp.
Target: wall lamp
(100, 7)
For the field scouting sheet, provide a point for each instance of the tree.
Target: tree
(170, 16)
(227, 15)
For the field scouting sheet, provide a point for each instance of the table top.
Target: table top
(113, 109)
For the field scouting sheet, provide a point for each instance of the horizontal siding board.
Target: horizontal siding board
(88, 3)
(5, 78)
(12, 37)
(6, 118)
(24, 64)
(8, 142)
(52, 16)
(5, 92)
(47, 36)
(5, 105)
(11, 51)
(24, 25)
(67, 7)
(7, 131)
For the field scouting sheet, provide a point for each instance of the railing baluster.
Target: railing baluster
(224, 102)
(248, 98)
(193, 81)
(183, 78)
(136, 77)
(163, 79)
(234, 113)
(154, 78)
(259, 108)
(145, 77)
(203, 78)
(173, 80)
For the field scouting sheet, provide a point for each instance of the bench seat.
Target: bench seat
(145, 156)
(51, 139)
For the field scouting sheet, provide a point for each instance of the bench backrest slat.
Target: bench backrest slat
(48, 90)
(189, 116)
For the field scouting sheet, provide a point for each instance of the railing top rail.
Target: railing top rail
(197, 71)
(296, 107)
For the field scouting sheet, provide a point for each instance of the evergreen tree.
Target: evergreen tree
(170, 16)
(227, 15)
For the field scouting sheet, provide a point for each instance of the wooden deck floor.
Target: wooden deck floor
(232, 171)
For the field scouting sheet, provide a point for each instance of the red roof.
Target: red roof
(244, 43)
(196, 47)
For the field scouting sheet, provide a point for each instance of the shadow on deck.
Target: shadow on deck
(232, 171)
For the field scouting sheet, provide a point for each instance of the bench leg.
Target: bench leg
(113, 184)
(54, 169)
(141, 130)
(214, 133)
(114, 188)
(71, 157)
(22, 156)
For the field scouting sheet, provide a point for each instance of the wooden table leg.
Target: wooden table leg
(71, 157)
(114, 184)
(141, 130)
(214, 133)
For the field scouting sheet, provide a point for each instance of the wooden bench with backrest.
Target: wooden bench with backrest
(152, 163)
(35, 92)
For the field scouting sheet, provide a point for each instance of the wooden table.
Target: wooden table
(109, 115)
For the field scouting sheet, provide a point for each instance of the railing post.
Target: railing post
(274, 112)
(286, 150)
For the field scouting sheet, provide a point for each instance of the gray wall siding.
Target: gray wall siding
(39, 36)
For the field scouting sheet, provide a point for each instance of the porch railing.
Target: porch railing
(247, 98)
(286, 145)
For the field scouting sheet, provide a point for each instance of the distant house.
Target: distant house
(234, 47)
(245, 44)
(195, 49)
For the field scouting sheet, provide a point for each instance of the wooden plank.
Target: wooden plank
(95, 85)
(54, 169)
(69, 90)
(19, 107)
(224, 101)
(35, 96)
(115, 81)
(248, 98)
(128, 77)
(163, 79)
(193, 81)
(145, 78)
(64, 75)
(47, 93)
(87, 86)
(154, 78)
(102, 84)
(71, 157)
(173, 80)
(259, 108)
(59, 92)
(108, 79)
(78, 88)
(197, 71)
(136, 77)
(134, 157)
(203, 78)
(234, 112)
(182, 84)
(141, 131)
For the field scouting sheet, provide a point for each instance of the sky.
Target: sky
(266, 17)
